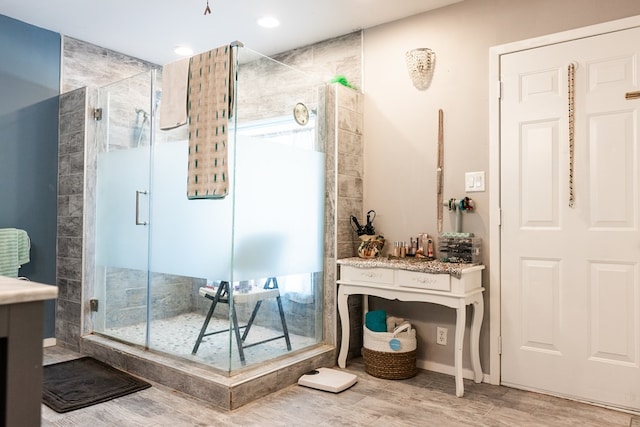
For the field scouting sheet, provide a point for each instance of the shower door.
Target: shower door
(123, 134)
(154, 248)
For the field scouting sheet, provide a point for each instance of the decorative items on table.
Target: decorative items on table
(371, 246)
(421, 247)
(364, 229)
(372, 243)
(460, 247)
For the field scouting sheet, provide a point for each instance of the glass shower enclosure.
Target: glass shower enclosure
(163, 259)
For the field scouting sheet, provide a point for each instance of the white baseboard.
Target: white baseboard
(48, 342)
(487, 378)
(448, 370)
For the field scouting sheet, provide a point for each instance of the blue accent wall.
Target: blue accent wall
(29, 91)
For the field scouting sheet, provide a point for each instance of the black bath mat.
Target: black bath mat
(83, 382)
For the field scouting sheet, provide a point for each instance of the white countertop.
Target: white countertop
(14, 291)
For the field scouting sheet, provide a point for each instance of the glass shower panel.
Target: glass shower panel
(278, 206)
(122, 208)
(190, 250)
(190, 256)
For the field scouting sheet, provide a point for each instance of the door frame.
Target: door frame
(495, 52)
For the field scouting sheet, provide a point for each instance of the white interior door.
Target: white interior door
(571, 275)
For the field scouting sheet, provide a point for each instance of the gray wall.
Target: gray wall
(401, 127)
(29, 89)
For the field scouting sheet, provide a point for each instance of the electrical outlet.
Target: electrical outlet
(441, 336)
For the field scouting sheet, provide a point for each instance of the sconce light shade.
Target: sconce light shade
(420, 65)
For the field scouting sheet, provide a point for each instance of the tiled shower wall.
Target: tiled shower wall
(71, 163)
(88, 65)
(77, 167)
(345, 171)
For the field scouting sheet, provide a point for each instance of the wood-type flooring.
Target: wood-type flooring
(428, 399)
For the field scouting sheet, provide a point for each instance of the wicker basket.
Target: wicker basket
(390, 355)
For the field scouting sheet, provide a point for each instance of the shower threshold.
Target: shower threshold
(207, 383)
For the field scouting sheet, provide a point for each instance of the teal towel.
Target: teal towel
(376, 320)
(14, 250)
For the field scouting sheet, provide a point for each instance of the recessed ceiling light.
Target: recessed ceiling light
(268, 22)
(183, 50)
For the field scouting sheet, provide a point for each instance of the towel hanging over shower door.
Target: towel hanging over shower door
(175, 78)
(209, 107)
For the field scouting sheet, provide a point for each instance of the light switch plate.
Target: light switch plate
(474, 181)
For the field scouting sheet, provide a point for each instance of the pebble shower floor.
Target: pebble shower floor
(177, 335)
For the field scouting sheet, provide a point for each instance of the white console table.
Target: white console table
(451, 285)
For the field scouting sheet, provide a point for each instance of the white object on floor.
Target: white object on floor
(328, 380)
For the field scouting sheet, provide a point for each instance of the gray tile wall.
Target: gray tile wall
(345, 171)
(325, 60)
(126, 296)
(70, 217)
(88, 65)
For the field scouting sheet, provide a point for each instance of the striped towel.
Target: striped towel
(14, 250)
(208, 108)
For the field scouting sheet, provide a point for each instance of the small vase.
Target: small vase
(371, 246)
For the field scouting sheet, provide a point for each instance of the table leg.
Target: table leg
(461, 315)
(343, 310)
(476, 324)
(23, 397)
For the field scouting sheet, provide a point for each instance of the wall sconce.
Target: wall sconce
(420, 64)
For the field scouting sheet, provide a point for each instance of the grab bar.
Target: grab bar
(138, 222)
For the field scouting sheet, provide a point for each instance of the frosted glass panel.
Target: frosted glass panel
(122, 243)
(190, 237)
(279, 209)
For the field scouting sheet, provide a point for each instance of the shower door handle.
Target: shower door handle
(138, 222)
